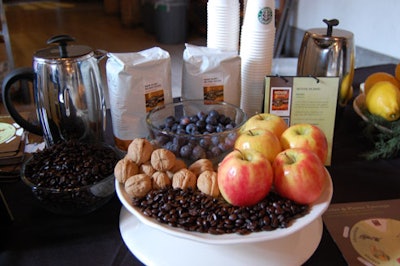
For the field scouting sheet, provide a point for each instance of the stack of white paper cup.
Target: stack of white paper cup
(223, 24)
(256, 52)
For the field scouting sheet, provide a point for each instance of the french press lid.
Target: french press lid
(63, 51)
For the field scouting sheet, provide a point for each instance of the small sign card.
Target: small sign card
(367, 233)
(298, 100)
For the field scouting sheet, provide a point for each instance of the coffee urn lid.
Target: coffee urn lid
(330, 33)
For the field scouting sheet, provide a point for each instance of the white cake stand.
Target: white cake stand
(155, 247)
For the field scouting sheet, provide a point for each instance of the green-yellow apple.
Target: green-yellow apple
(306, 136)
(299, 175)
(244, 177)
(259, 139)
(272, 122)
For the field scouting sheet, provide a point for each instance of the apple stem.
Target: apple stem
(251, 133)
(241, 153)
(290, 158)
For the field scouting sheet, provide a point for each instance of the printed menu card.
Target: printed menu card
(298, 100)
(367, 233)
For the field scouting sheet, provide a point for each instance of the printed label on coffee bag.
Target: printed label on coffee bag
(154, 96)
(213, 86)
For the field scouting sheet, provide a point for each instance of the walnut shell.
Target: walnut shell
(184, 179)
(179, 164)
(161, 180)
(137, 186)
(139, 150)
(162, 159)
(146, 168)
(207, 182)
(124, 169)
(200, 166)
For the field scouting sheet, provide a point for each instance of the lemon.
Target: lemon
(383, 99)
(346, 90)
(377, 77)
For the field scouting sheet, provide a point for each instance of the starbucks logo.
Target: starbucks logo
(265, 15)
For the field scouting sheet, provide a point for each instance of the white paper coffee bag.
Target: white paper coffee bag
(137, 82)
(211, 74)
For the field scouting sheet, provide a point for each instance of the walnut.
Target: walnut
(170, 174)
(162, 159)
(184, 179)
(200, 166)
(207, 182)
(124, 169)
(160, 180)
(146, 168)
(139, 150)
(179, 164)
(137, 186)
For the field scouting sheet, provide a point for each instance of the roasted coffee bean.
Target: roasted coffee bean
(70, 165)
(193, 210)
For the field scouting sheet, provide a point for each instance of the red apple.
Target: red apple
(299, 175)
(274, 123)
(259, 139)
(244, 177)
(305, 136)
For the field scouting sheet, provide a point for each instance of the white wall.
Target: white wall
(375, 24)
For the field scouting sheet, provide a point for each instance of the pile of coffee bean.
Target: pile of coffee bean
(70, 164)
(193, 210)
(186, 136)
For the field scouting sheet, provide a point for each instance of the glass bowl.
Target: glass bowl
(212, 142)
(72, 200)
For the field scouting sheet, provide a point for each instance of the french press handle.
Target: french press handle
(19, 74)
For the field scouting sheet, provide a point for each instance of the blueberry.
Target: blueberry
(201, 124)
(198, 153)
(212, 120)
(228, 127)
(216, 151)
(205, 142)
(215, 140)
(193, 118)
(185, 151)
(213, 113)
(222, 119)
(180, 131)
(210, 128)
(184, 120)
(174, 127)
(219, 128)
(179, 140)
(169, 121)
(201, 115)
(224, 147)
(191, 129)
(162, 139)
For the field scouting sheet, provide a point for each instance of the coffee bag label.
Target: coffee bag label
(213, 87)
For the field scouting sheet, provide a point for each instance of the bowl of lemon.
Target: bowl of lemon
(379, 100)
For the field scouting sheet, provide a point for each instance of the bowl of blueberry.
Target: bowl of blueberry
(71, 178)
(196, 129)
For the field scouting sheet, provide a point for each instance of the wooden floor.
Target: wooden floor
(32, 23)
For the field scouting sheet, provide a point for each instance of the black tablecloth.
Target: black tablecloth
(37, 237)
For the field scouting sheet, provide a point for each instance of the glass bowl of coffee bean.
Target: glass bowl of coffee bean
(71, 178)
(196, 129)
